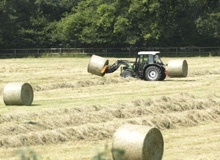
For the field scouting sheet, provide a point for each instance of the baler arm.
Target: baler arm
(112, 68)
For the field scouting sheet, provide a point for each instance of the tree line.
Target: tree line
(109, 23)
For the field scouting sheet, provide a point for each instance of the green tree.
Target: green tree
(31, 23)
(90, 24)
(108, 23)
(208, 22)
(9, 20)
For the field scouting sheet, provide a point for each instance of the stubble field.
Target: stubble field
(74, 114)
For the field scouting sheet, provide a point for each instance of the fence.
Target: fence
(110, 52)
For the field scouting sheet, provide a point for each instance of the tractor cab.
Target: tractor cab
(144, 59)
(148, 57)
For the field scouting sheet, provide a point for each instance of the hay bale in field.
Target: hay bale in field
(96, 65)
(177, 68)
(18, 93)
(137, 142)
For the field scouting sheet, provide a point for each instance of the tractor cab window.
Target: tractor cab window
(157, 59)
(143, 59)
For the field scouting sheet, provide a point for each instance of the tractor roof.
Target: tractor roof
(148, 52)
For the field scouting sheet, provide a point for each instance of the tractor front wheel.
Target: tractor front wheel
(126, 74)
(153, 73)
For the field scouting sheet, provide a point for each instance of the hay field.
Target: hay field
(74, 114)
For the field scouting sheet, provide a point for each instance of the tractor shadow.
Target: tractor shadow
(35, 105)
(179, 80)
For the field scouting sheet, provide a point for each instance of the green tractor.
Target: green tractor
(147, 66)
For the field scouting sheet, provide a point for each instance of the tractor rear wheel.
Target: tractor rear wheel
(154, 73)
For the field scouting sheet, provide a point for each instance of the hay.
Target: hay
(138, 143)
(100, 122)
(96, 65)
(177, 68)
(18, 94)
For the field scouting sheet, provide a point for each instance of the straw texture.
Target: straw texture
(138, 143)
(18, 93)
(177, 68)
(96, 65)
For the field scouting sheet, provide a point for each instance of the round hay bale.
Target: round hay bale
(137, 142)
(177, 68)
(96, 65)
(18, 93)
